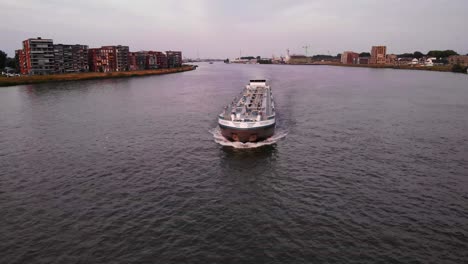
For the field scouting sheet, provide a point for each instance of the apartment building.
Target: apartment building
(37, 56)
(378, 55)
(458, 59)
(109, 59)
(70, 58)
(349, 57)
(174, 59)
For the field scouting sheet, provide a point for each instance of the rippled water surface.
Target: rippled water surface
(370, 166)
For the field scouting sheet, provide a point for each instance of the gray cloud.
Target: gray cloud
(222, 28)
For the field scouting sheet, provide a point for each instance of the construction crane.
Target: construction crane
(306, 47)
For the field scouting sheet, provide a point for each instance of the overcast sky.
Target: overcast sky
(220, 29)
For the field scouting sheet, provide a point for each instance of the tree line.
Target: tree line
(432, 53)
(417, 54)
(6, 61)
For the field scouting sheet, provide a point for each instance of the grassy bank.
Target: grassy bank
(11, 81)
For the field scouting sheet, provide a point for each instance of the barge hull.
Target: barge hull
(247, 135)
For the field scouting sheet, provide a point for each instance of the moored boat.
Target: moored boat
(251, 117)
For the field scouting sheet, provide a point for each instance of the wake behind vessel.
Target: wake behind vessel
(251, 117)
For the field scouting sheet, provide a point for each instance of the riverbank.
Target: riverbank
(20, 80)
(442, 68)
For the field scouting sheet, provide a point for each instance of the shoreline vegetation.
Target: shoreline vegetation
(441, 68)
(21, 80)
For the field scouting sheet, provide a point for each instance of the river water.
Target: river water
(368, 166)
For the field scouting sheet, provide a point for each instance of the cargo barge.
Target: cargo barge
(251, 117)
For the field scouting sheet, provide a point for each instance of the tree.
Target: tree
(364, 54)
(3, 59)
(10, 62)
(418, 54)
(435, 53)
(338, 56)
(441, 53)
(405, 55)
(448, 53)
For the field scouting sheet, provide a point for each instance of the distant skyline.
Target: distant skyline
(221, 29)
